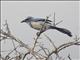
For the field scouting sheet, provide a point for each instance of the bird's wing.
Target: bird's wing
(43, 20)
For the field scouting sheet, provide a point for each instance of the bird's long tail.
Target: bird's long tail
(63, 30)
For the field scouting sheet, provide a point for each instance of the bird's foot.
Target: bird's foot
(38, 33)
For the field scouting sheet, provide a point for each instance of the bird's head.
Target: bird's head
(27, 19)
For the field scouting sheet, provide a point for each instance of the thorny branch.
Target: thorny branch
(63, 46)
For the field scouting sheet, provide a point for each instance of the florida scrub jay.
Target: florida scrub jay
(37, 24)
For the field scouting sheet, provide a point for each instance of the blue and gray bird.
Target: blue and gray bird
(37, 23)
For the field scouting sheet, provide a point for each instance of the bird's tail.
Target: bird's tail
(65, 31)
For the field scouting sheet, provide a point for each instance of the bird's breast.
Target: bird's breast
(36, 25)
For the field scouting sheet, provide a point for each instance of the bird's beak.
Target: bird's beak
(22, 21)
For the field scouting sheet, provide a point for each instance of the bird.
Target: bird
(37, 23)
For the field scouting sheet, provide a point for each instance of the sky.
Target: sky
(16, 11)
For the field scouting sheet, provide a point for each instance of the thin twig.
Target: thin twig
(51, 41)
(25, 55)
(54, 20)
(43, 50)
(59, 22)
(69, 57)
(11, 51)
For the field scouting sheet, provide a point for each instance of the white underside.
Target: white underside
(38, 25)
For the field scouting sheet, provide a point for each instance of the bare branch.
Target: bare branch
(44, 50)
(59, 22)
(63, 46)
(51, 41)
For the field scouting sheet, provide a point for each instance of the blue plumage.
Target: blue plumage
(37, 23)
